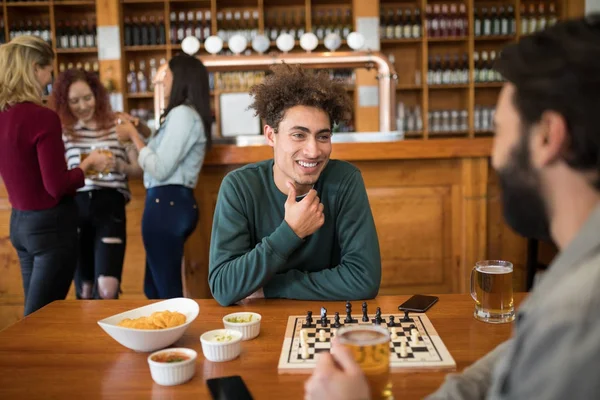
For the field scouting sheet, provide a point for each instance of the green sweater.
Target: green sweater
(252, 246)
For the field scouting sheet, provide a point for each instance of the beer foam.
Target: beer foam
(363, 336)
(490, 269)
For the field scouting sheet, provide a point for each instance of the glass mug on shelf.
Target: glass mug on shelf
(370, 345)
(492, 290)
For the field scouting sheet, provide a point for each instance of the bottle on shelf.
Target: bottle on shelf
(450, 121)
(153, 72)
(142, 78)
(484, 67)
(453, 70)
(2, 35)
(207, 24)
(28, 27)
(181, 27)
(483, 118)
(409, 118)
(173, 29)
(132, 84)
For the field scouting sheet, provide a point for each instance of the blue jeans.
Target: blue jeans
(46, 242)
(170, 217)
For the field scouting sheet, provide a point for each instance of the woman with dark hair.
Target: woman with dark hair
(89, 123)
(171, 161)
(43, 221)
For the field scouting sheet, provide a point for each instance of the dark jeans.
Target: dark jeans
(102, 237)
(46, 242)
(170, 216)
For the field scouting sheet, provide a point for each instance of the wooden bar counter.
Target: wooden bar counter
(435, 204)
(60, 352)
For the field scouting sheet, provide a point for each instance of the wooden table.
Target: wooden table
(60, 352)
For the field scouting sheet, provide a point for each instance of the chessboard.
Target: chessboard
(423, 349)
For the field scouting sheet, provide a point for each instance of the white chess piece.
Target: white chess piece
(303, 338)
(305, 353)
(403, 351)
(415, 335)
(393, 333)
(322, 335)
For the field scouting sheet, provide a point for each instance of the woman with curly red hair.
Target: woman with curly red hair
(89, 124)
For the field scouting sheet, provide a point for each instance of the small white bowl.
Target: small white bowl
(249, 330)
(173, 373)
(151, 340)
(221, 351)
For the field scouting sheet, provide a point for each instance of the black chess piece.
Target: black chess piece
(309, 319)
(365, 317)
(324, 320)
(378, 320)
(348, 319)
(391, 323)
(406, 317)
(336, 320)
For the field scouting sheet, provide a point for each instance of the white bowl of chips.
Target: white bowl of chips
(152, 327)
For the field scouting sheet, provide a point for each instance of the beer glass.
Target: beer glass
(91, 172)
(370, 345)
(105, 150)
(491, 288)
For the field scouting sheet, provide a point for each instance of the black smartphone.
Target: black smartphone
(418, 303)
(228, 388)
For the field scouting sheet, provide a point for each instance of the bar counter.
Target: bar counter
(435, 204)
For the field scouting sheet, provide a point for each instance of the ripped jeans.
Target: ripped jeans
(102, 240)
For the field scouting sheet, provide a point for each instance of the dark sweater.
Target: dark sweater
(32, 158)
(252, 246)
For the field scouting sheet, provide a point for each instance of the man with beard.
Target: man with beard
(547, 155)
(297, 226)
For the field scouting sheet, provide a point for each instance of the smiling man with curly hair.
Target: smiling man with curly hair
(297, 226)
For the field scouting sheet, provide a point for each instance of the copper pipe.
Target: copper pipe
(386, 74)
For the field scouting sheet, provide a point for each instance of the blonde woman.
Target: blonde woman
(43, 223)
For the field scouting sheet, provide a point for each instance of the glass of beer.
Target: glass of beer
(370, 345)
(91, 172)
(492, 290)
(105, 150)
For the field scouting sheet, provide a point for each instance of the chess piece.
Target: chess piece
(393, 333)
(305, 353)
(348, 319)
(365, 317)
(309, 319)
(391, 323)
(323, 316)
(322, 335)
(336, 320)
(406, 317)
(303, 337)
(403, 352)
(378, 319)
(414, 334)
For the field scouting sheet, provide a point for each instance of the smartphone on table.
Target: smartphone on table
(228, 388)
(418, 303)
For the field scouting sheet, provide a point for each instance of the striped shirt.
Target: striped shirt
(84, 140)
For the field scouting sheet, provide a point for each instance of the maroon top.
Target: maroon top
(32, 158)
